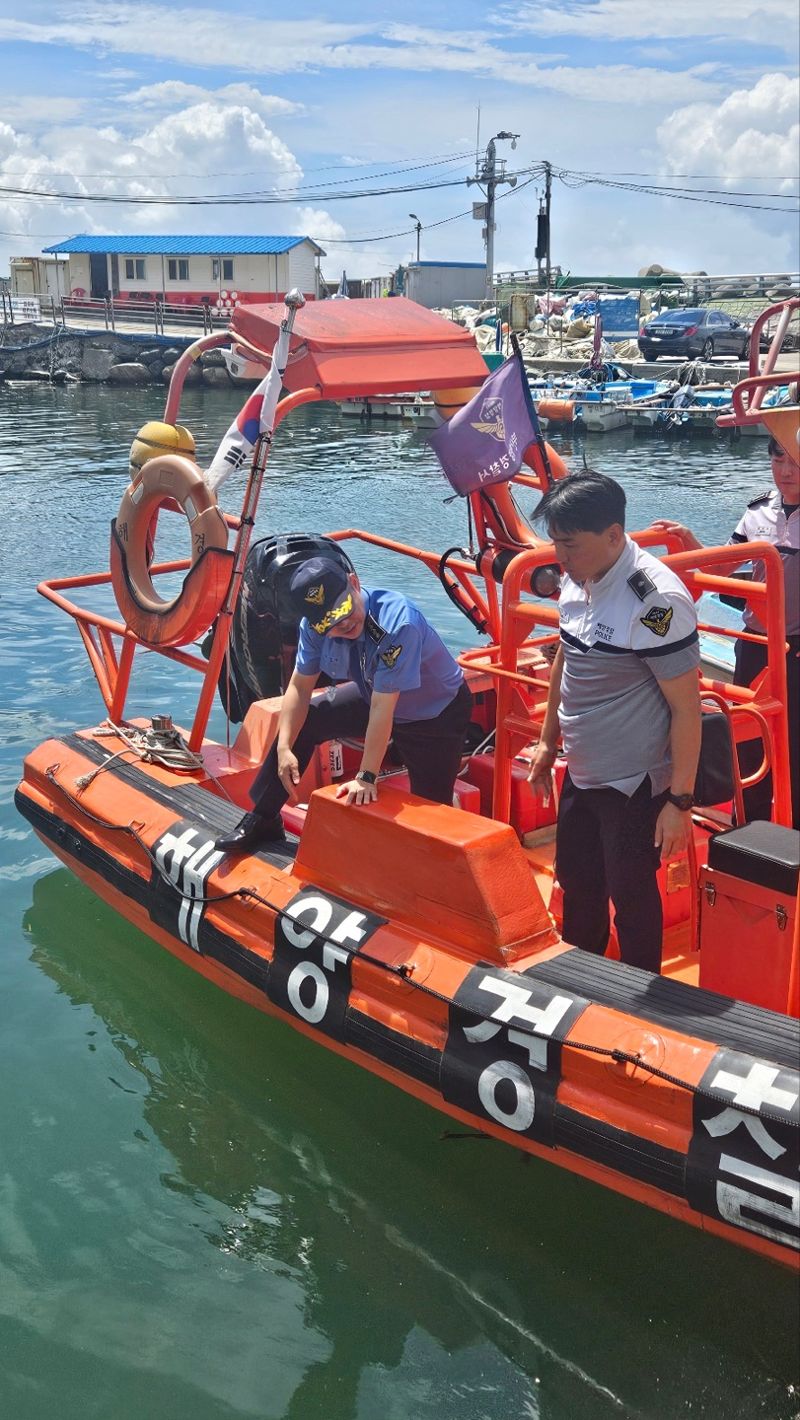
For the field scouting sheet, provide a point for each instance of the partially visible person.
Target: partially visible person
(624, 697)
(400, 682)
(773, 517)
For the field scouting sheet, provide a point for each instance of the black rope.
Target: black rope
(458, 594)
(404, 971)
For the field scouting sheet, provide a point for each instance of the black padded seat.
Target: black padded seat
(766, 854)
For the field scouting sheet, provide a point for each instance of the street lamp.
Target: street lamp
(489, 178)
(415, 219)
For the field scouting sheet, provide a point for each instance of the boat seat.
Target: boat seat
(765, 854)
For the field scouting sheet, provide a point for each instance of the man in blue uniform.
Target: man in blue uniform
(394, 679)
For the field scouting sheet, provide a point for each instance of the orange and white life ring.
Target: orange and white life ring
(78, 293)
(168, 480)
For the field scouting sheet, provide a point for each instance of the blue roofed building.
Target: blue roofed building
(190, 270)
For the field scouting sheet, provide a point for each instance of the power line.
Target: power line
(253, 172)
(571, 178)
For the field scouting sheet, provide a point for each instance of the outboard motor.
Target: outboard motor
(261, 651)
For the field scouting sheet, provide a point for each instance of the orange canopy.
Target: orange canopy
(352, 348)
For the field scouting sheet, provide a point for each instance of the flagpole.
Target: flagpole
(233, 449)
(539, 437)
(293, 302)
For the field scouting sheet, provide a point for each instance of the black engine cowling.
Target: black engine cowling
(265, 625)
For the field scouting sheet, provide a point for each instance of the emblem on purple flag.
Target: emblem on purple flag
(485, 441)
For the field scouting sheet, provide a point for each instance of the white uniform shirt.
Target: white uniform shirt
(764, 520)
(620, 636)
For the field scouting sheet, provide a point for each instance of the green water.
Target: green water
(204, 1215)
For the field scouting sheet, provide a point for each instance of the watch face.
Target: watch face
(682, 801)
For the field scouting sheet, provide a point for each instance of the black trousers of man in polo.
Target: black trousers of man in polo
(605, 849)
(430, 749)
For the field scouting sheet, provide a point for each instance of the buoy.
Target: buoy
(157, 438)
(558, 411)
(448, 402)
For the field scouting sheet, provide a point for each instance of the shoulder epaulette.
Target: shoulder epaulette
(762, 498)
(642, 585)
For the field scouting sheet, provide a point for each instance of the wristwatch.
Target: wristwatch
(366, 776)
(684, 802)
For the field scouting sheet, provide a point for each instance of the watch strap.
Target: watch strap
(684, 802)
(366, 776)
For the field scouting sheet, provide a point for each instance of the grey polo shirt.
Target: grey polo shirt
(766, 520)
(620, 636)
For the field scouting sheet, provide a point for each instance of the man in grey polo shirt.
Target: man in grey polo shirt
(625, 698)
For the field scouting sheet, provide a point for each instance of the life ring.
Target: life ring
(169, 479)
(77, 293)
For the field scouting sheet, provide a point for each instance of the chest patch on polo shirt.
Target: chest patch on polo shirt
(642, 585)
(390, 657)
(658, 620)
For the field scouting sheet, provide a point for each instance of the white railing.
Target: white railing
(161, 317)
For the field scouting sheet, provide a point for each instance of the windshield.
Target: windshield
(680, 317)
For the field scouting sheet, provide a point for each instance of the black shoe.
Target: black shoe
(253, 831)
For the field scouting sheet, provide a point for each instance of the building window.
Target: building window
(222, 267)
(135, 269)
(178, 270)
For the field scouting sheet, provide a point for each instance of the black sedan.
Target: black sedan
(694, 332)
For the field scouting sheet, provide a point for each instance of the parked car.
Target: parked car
(694, 332)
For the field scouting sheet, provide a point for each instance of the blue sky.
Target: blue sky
(139, 98)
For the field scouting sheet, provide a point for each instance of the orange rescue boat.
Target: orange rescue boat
(422, 941)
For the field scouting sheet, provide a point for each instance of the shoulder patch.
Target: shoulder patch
(373, 629)
(761, 499)
(392, 656)
(642, 585)
(658, 620)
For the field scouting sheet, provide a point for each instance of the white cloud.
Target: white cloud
(317, 223)
(752, 131)
(173, 93)
(771, 22)
(40, 110)
(281, 47)
(205, 137)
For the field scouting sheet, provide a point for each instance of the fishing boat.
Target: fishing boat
(421, 941)
(415, 407)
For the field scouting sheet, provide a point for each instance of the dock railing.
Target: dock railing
(107, 313)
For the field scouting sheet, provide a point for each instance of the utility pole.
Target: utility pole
(490, 177)
(548, 187)
(416, 220)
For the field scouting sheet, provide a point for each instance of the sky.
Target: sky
(136, 98)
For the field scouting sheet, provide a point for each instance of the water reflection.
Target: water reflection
(352, 1263)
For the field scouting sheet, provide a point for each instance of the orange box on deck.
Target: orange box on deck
(746, 939)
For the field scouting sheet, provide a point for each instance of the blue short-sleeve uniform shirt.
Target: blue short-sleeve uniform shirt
(398, 651)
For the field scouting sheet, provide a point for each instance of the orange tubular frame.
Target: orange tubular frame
(767, 702)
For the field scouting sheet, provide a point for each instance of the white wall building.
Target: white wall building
(190, 270)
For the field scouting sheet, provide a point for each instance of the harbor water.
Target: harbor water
(204, 1215)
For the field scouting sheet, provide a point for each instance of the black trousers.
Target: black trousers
(430, 749)
(605, 849)
(751, 658)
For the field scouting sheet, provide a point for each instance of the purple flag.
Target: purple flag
(485, 441)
